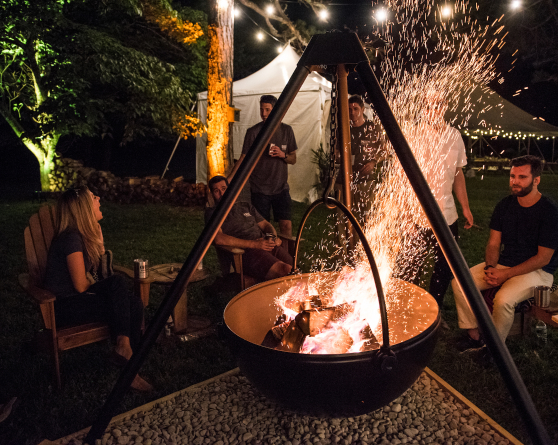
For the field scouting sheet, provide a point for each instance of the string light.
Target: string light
(380, 14)
(260, 36)
(447, 11)
(269, 9)
(279, 49)
(515, 4)
(323, 14)
(223, 4)
(236, 12)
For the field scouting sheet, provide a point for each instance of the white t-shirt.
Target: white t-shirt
(441, 162)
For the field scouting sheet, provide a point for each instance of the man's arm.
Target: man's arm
(222, 239)
(460, 190)
(492, 251)
(497, 276)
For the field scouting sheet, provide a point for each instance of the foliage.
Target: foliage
(74, 66)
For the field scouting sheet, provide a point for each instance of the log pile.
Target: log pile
(71, 173)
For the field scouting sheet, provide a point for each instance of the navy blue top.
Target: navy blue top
(57, 277)
(524, 229)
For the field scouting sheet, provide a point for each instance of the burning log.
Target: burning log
(289, 336)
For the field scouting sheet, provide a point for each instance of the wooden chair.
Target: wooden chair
(38, 237)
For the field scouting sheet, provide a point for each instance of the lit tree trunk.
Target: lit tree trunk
(43, 148)
(219, 85)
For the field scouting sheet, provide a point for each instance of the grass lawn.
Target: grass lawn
(162, 234)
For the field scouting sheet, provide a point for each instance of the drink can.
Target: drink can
(141, 268)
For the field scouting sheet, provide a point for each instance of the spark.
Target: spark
(418, 95)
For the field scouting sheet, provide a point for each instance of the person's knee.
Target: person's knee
(279, 269)
(503, 305)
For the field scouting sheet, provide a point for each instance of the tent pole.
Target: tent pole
(172, 154)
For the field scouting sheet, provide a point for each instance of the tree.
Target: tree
(66, 66)
(219, 86)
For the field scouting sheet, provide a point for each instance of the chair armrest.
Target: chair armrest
(288, 242)
(41, 296)
(233, 250)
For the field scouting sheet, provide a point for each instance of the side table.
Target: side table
(545, 314)
(166, 274)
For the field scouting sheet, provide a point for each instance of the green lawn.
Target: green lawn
(161, 234)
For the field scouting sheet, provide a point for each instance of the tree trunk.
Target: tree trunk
(44, 152)
(219, 86)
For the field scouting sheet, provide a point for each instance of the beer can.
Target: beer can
(141, 268)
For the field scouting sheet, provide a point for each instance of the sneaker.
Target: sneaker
(466, 343)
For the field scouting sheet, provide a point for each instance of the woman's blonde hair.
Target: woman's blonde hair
(74, 211)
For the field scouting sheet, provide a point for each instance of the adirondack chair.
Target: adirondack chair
(38, 237)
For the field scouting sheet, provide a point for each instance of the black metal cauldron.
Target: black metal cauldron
(332, 384)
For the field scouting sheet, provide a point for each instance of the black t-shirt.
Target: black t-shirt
(57, 276)
(241, 222)
(271, 173)
(524, 229)
(365, 144)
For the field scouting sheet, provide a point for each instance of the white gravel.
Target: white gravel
(230, 411)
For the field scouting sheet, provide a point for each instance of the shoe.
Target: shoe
(467, 343)
(481, 356)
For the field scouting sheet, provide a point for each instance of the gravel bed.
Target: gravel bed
(228, 410)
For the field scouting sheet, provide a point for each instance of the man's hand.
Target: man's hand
(265, 244)
(368, 168)
(495, 277)
(469, 217)
(276, 152)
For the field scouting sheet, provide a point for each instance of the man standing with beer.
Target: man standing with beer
(268, 182)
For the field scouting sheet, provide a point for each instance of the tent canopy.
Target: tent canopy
(492, 114)
(307, 115)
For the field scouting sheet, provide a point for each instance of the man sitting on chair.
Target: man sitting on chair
(244, 228)
(525, 223)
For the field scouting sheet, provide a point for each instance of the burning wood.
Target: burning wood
(311, 320)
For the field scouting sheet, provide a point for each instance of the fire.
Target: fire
(419, 90)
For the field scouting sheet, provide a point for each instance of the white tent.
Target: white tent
(307, 115)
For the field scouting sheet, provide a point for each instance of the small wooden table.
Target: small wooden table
(166, 274)
(545, 314)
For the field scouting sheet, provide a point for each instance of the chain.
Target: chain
(332, 174)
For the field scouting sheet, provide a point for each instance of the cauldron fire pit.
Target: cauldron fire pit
(332, 384)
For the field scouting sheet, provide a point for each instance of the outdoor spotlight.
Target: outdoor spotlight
(269, 9)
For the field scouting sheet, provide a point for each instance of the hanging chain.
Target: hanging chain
(333, 170)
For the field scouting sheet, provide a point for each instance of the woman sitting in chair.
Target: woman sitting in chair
(73, 260)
